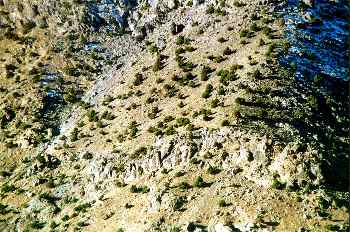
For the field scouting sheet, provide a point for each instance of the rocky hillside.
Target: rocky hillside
(174, 115)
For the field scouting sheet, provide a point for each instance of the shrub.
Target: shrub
(221, 90)
(141, 151)
(182, 121)
(221, 40)
(170, 131)
(219, 59)
(238, 4)
(244, 33)
(170, 90)
(37, 225)
(140, 189)
(181, 40)
(6, 188)
(157, 64)
(227, 76)
(184, 186)
(228, 51)
(92, 116)
(213, 170)
(199, 182)
(152, 114)
(208, 91)
(74, 135)
(82, 207)
(312, 102)
(277, 184)
(178, 203)
(222, 203)
(254, 27)
(138, 79)
(214, 103)
(210, 9)
(225, 123)
(206, 70)
(133, 128)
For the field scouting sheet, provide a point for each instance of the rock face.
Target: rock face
(294, 165)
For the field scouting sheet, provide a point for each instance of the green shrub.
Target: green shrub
(221, 40)
(228, 51)
(206, 70)
(214, 103)
(225, 122)
(138, 79)
(210, 9)
(199, 182)
(141, 151)
(226, 76)
(213, 170)
(181, 40)
(208, 90)
(222, 203)
(278, 184)
(184, 186)
(6, 188)
(82, 207)
(182, 121)
(92, 116)
(157, 64)
(238, 4)
(140, 189)
(37, 225)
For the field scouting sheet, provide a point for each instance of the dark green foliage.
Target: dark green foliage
(228, 51)
(37, 225)
(222, 203)
(214, 103)
(181, 40)
(184, 186)
(186, 66)
(312, 102)
(225, 122)
(133, 128)
(278, 184)
(170, 90)
(179, 203)
(157, 64)
(48, 197)
(141, 151)
(207, 92)
(213, 170)
(182, 121)
(199, 182)
(221, 40)
(92, 116)
(152, 114)
(74, 135)
(138, 79)
(254, 27)
(211, 9)
(4, 209)
(82, 207)
(184, 80)
(179, 173)
(206, 70)
(140, 189)
(226, 76)
(170, 131)
(6, 188)
(238, 4)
